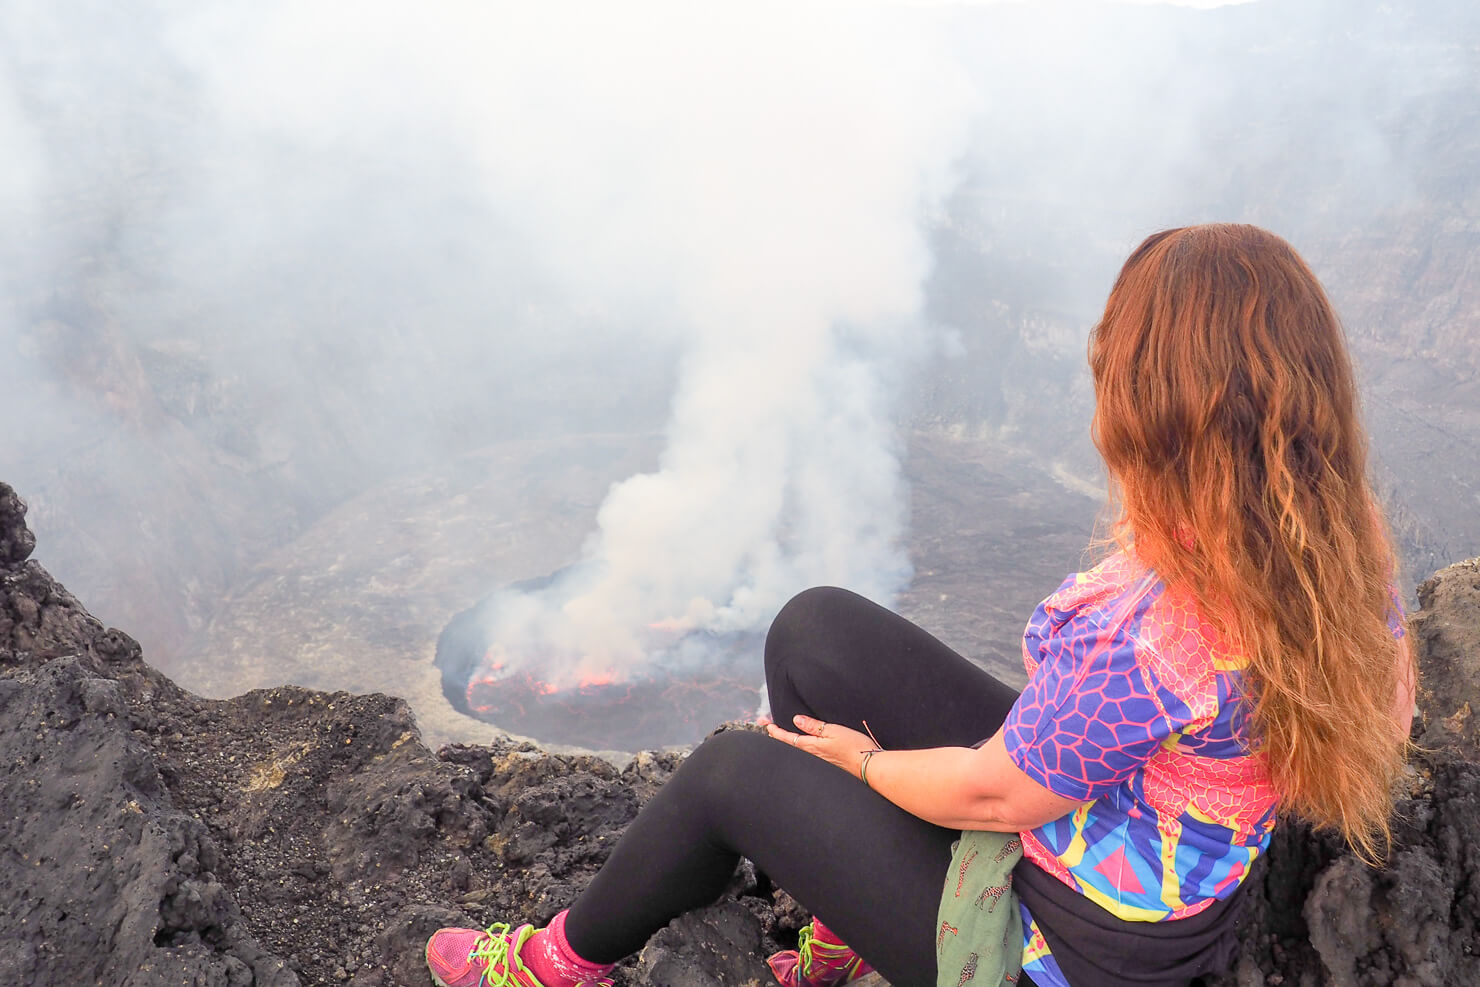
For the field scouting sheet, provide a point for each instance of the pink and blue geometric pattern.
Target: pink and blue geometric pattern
(1132, 707)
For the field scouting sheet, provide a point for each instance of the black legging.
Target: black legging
(870, 870)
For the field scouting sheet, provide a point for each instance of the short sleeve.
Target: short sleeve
(1089, 717)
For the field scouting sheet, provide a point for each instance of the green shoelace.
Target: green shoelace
(495, 952)
(829, 954)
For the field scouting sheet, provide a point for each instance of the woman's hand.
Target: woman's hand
(833, 742)
(954, 787)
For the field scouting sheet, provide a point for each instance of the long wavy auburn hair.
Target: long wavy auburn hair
(1226, 412)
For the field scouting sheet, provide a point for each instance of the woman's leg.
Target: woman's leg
(872, 871)
(834, 655)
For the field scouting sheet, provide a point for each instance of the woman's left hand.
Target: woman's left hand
(833, 742)
(955, 787)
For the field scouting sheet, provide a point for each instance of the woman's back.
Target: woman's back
(1178, 807)
(1227, 413)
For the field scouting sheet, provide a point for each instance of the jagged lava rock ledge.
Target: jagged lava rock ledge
(286, 836)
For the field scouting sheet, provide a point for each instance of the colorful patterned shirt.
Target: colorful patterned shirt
(1132, 706)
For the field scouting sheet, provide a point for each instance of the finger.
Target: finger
(808, 725)
(802, 742)
(785, 736)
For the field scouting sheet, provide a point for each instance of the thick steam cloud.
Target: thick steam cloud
(752, 180)
(778, 208)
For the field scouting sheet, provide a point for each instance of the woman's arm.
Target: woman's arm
(954, 787)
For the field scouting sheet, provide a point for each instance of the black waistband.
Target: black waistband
(1094, 948)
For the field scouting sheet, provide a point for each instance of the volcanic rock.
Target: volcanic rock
(1448, 632)
(16, 540)
(107, 880)
(286, 836)
(731, 953)
(290, 836)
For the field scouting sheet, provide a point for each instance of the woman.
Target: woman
(1238, 656)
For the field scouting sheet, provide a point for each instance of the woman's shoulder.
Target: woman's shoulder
(1190, 658)
(1162, 629)
(1115, 577)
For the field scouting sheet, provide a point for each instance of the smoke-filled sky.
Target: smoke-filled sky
(730, 187)
(261, 256)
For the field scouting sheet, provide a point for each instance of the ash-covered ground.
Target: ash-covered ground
(288, 836)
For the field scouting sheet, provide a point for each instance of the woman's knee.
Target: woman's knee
(800, 627)
(731, 750)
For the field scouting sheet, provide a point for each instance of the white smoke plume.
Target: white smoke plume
(752, 178)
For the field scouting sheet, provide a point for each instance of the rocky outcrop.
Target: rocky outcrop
(107, 879)
(286, 836)
(16, 541)
(1448, 646)
(290, 836)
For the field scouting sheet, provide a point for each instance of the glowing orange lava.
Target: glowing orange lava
(581, 700)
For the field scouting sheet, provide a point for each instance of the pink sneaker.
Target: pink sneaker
(469, 958)
(815, 963)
